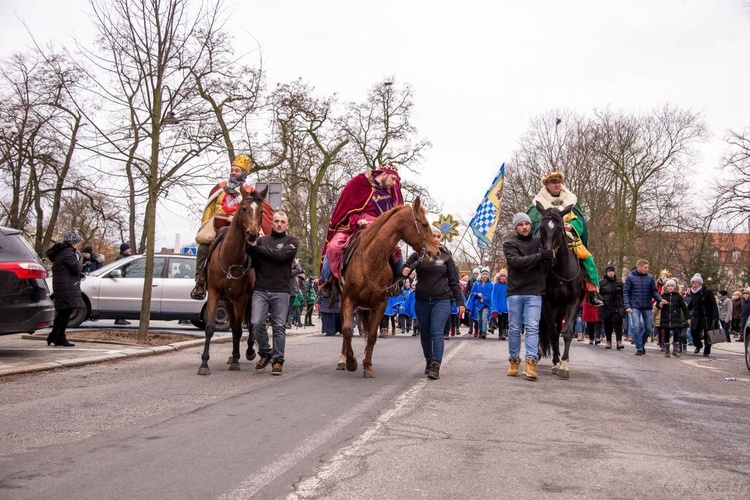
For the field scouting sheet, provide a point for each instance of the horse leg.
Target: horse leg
(567, 334)
(376, 315)
(347, 359)
(235, 319)
(211, 306)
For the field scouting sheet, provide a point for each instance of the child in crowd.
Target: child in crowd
(671, 316)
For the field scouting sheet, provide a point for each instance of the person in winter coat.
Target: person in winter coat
(611, 313)
(725, 312)
(671, 316)
(639, 290)
(125, 251)
(67, 272)
(500, 303)
(91, 260)
(704, 314)
(736, 313)
(481, 302)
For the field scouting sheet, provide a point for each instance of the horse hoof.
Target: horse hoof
(341, 366)
(369, 373)
(234, 367)
(250, 354)
(232, 360)
(203, 370)
(564, 374)
(555, 369)
(351, 364)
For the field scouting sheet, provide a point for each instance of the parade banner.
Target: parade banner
(484, 222)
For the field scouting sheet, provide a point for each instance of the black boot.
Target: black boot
(595, 299)
(51, 339)
(199, 292)
(63, 341)
(433, 372)
(427, 366)
(666, 349)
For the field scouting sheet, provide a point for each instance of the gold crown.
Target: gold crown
(503, 271)
(664, 271)
(243, 162)
(390, 166)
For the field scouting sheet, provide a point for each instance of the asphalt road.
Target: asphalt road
(623, 426)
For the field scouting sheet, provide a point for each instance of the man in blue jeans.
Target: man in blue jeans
(638, 291)
(272, 258)
(526, 284)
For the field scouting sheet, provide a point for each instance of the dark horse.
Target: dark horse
(564, 292)
(367, 279)
(230, 277)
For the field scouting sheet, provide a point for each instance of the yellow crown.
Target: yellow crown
(243, 162)
(664, 271)
(389, 166)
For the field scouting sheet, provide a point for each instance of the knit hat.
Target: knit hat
(519, 218)
(71, 237)
(746, 290)
(124, 247)
(697, 279)
(87, 250)
(723, 293)
(670, 282)
(475, 271)
(609, 267)
(486, 271)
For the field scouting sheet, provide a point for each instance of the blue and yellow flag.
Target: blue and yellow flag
(484, 222)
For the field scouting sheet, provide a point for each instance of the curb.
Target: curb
(131, 352)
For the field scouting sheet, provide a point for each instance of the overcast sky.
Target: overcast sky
(480, 72)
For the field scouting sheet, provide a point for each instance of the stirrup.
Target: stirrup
(198, 292)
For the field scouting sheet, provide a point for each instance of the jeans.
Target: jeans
(526, 310)
(483, 319)
(276, 304)
(641, 322)
(432, 316)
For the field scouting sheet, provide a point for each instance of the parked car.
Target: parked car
(116, 290)
(746, 335)
(25, 305)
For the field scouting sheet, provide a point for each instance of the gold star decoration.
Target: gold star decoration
(448, 227)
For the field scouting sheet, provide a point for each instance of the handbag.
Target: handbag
(716, 335)
(207, 232)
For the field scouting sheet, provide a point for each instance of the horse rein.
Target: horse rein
(243, 270)
(554, 257)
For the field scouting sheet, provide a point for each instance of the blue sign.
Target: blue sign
(189, 251)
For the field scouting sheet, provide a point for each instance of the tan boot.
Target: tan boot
(383, 332)
(529, 369)
(580, 337)
(513, 368)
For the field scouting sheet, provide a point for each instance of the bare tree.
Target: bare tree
(152, 51)
(734, 189)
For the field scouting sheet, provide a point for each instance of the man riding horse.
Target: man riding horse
(223, 201)
(364, 198)
(554, 194)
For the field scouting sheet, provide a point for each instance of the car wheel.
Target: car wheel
(222, 319)
(78, 317)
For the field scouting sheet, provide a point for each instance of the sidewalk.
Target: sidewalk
(24, 353)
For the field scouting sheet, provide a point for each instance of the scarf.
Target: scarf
(235, 182)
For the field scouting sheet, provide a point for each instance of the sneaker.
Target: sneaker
(640, 352)
(276, 369)
(265, 360)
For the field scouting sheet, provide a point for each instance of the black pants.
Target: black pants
(308, 314)
(672, 333)
(699, 338)
(502, 323)
(60, 324)
(404, 322)
(612, 321)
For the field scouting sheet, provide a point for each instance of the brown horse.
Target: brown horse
(230, 277)
(368, 278)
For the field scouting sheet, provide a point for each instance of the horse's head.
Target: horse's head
(250, 213)
(552, 226)
(419, 234)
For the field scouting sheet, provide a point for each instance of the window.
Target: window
(137, 268)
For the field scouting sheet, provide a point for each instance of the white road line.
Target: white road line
(308, 487)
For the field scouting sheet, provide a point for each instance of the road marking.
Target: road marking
(308, 487)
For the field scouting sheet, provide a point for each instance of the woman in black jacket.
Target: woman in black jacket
(704, 314)
(671, 316)
(66, 285)
(437, 284)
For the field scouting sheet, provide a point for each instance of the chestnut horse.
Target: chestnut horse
(231, 279)
(367, 279)
(564, 291)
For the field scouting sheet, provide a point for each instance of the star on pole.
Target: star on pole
(448, 227)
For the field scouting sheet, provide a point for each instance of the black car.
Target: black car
(25, 305)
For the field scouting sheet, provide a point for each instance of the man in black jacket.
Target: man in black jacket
(272, 258)
(526, 284)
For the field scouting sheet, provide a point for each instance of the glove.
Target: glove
(547, 255)
(495, 314)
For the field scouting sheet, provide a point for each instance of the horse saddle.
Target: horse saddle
(353, 243)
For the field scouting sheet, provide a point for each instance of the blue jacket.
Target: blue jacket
(499, 298)
(478, 304)
(409, 305)
(639, 289)
(391, 309)
(404, 297)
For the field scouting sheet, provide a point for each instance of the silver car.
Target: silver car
(115, 292)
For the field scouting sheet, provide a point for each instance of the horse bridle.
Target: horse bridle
(243, 270)
(554, 256)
